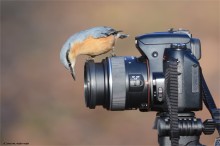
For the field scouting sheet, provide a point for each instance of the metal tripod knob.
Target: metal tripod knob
(208, 126)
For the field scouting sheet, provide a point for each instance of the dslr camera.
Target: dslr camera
(166, 78)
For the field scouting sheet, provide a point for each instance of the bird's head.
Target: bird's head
(68, 63)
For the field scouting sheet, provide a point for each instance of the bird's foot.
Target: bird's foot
(113, 51)
(113, 54)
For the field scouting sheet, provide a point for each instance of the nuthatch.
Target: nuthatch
(92, 42)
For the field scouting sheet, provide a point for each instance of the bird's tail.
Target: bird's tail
(121, 35)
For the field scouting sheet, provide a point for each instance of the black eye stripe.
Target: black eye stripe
(67, 58)
(68, 61)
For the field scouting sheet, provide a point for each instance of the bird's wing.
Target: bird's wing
(102, 31)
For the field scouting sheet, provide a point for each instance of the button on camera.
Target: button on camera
(136, 83)
(178, 46)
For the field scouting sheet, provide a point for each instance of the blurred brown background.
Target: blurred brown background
(42, 105)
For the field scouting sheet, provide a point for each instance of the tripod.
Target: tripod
(190, 129)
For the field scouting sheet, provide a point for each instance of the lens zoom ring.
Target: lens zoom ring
(118, 95)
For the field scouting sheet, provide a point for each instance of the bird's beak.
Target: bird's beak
(70, 66)
(73, 75)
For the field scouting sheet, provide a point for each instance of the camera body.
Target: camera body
(158, 48)
(128, 82)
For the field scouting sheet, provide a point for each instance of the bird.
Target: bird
(92, 42)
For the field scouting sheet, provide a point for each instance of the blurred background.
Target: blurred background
(42, 105)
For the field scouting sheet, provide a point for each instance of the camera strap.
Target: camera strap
(210, 104)
(171, 85)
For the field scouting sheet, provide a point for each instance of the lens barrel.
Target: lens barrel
(117, 83)
(95, 84)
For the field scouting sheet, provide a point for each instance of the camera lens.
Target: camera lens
(117, 83)
(95, 85)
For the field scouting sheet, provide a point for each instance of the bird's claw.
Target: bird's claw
(113, 54)
(90, 59)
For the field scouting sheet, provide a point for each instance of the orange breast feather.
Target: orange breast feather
(92, 46)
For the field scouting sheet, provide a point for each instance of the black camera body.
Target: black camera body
(160, 47)
(128, 82)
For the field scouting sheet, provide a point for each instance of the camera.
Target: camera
(128, 82)
(166, 78)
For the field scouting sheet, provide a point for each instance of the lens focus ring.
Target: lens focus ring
(117, 83)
